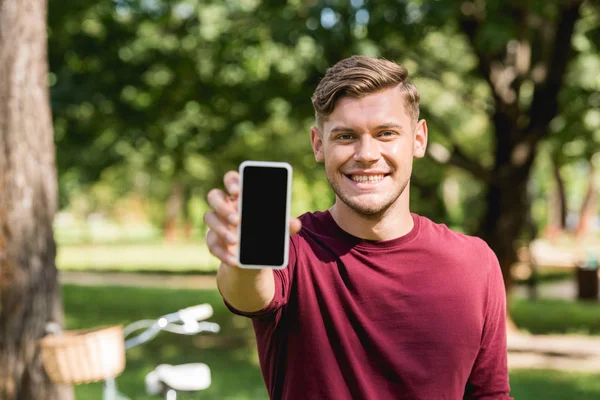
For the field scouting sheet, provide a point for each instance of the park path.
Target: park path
(562, 352)
(562, 289)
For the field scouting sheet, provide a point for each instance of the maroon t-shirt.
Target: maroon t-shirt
(417, 317)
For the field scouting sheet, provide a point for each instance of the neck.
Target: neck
(393, 223)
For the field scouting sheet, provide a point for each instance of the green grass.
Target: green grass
(554, 385)
(232, 356)
(553, 316)
(103, 245)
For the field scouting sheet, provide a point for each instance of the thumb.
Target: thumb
(295, 226)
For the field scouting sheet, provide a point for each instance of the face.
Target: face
(368, 146)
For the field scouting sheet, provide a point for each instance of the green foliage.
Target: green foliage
(148, 95)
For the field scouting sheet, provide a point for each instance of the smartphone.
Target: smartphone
(264, 206)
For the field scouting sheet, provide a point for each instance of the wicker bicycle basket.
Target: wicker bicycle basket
(83, 356)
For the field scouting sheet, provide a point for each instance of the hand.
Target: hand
(224, 218)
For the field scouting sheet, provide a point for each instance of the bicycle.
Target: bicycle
(106, 347)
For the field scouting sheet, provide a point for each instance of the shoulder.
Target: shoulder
(320, 234)
(441, 231)
(451, 241)
(312, 223)
(318, 224)
(314, 219)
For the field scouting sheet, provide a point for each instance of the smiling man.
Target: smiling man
(376, 302)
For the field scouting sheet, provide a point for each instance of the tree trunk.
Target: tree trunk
(506, 214)
(588, 208)
(173, 210)
(177, 211)
(518, 131)
(188, 226)
(557, 207)
(29, 290)
(505, 217)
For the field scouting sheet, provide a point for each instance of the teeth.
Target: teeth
(366, 178)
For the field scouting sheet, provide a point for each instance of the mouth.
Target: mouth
(367, 179)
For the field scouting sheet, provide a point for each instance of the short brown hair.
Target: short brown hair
(359, 76)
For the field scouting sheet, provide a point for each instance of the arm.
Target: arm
(246, 290)
(489, 376)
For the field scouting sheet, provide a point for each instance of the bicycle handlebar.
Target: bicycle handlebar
(188, 316)
(198, 313)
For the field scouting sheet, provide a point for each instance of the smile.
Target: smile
(366, 178)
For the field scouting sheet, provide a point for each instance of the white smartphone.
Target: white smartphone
(264, 206)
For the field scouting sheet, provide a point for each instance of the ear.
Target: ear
(316, 138)
(420, 141)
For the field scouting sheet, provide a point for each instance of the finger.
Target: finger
(225, 207)
(219, 250)
(225, 231)
(295, 226)
(232, 183)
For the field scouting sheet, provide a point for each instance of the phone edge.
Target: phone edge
(286, 250)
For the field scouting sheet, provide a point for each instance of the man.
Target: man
(376, 302)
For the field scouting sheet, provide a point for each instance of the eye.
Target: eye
(344, 136)
(387, 134)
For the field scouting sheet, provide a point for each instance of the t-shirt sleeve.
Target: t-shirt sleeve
(283, 281)
(489, 376)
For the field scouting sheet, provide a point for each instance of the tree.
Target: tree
(537, 51)
(174, 91)
(29, 290)
(521, 53)
(516, 53)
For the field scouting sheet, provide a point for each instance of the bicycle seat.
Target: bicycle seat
(185, 377)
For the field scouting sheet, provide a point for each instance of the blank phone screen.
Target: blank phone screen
(264, 209)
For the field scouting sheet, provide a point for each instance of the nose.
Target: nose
(367, 150)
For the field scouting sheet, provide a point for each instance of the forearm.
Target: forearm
(247, 290)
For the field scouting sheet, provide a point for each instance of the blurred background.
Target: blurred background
(153, 100)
